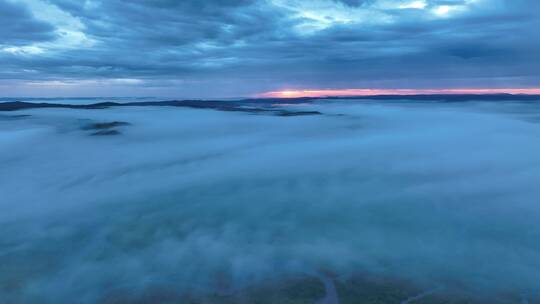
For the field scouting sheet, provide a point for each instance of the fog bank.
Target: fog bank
(197, 200)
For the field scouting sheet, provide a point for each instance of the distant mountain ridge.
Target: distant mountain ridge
(239, 105)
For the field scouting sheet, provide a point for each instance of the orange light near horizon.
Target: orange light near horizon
(373, 92)
(289, 93)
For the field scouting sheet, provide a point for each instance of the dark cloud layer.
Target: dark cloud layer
(19, 27)
(242, 47)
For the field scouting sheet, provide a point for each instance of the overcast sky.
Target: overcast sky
(230, 48)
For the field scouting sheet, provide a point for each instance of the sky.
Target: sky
(239, 48)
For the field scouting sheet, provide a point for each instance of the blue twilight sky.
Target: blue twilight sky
(229, 48)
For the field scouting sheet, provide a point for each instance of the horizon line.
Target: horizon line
(313, 93)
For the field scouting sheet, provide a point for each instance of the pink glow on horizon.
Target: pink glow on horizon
(372, 92)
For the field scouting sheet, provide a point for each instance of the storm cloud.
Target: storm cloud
(19, 27)
(240, 47)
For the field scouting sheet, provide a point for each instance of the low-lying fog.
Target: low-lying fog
(191, 199)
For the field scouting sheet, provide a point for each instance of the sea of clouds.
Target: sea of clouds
(198, 200)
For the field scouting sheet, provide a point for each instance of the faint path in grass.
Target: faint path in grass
(331, 296)
(421, 296)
